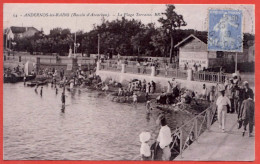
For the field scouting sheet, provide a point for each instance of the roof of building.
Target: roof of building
(200, 37)
(17, 30)
(203, 36)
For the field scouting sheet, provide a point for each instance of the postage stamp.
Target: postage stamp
(225, 32)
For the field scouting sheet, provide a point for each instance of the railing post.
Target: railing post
(196, 129)
(181, 142)
(208, 118)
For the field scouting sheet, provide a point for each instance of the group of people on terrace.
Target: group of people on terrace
(234, 97)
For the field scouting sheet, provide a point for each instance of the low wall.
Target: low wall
(161, 82)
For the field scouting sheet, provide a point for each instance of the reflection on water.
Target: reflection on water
(91, 128)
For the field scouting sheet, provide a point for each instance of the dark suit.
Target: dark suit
(247, 114)
(249, 93)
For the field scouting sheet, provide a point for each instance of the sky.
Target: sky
(49, 16)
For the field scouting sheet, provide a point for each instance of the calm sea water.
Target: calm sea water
(92, 127)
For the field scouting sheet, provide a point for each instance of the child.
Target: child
(134, 99)
(105, 88)
(145, 149)
(148, 106)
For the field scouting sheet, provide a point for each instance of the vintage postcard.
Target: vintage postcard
(117, 82)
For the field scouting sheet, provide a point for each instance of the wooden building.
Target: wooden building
(193, 50)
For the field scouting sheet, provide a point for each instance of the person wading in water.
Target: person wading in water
(63, 100)
(41, 91)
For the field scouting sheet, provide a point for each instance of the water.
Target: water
(92, 127)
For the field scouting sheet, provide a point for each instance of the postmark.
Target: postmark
(225, 32)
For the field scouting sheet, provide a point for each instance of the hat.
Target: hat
(221, 89)
(144, 136)
(234, 74)
(235, 80)
(245, 82)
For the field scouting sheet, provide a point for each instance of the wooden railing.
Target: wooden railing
(190, 132)
(176, 73)
(213, 77)
(110, 67)
(138, 69)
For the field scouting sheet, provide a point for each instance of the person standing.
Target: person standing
(247, 115)
(153, 86)
(145, 149)
(164, 139)
(222, 106)
(166, 69)
(24, 79)
(148, 107)
(41, 91)
(212, 94)
(230, 92)
(144, 86)
(169, 87)
(138, 67)
(144, 66)
(135, 100)
(239, 96)
(63, 100)
(56, 90)
(248, 91)
(204, 92)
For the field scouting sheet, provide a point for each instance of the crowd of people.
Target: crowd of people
(234, 97)
(17, 70)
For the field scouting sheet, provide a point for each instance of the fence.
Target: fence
(138, 69)
(22, 59)
(212, 77)
(110, 67)
(190, 131)
(177, 73)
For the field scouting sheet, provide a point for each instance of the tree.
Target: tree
(172, 22)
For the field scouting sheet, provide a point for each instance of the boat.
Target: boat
(14, 78)
(38, 83)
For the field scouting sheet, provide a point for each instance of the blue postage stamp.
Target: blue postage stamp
(225, 30)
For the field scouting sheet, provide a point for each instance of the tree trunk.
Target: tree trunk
(171, 49)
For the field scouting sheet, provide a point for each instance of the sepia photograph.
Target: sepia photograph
(128, 82)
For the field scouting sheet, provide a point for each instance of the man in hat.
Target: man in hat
(235, 78)
(230, 94)
(222, 106)
(239, 96)
(248, 91)
(204, 92)
(164, 139)
(247, 115)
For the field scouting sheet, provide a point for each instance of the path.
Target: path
(214, 145)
